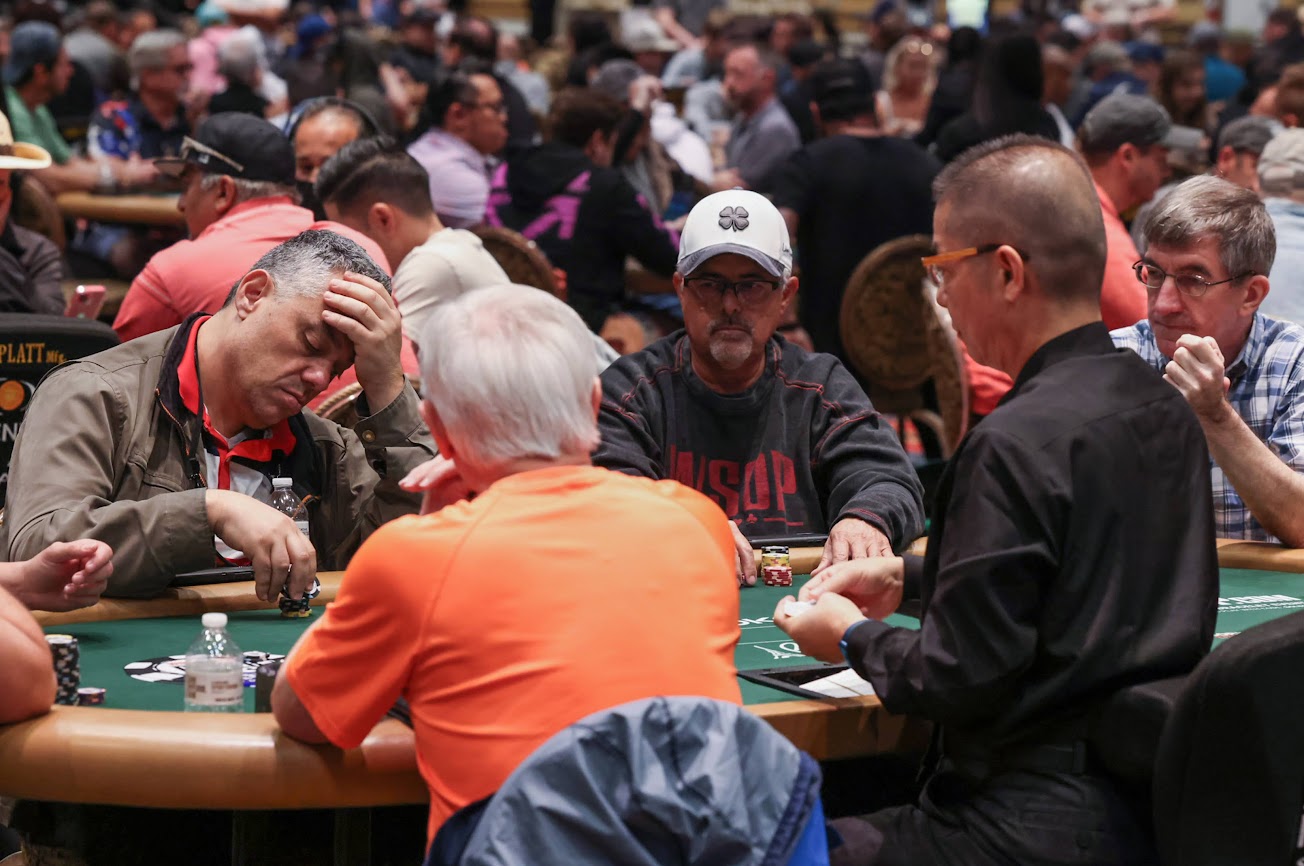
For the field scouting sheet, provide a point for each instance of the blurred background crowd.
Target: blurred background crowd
(586, 132)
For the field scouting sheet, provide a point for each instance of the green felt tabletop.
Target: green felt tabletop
(1247, 598)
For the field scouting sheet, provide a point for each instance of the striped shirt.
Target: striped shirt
(1267, 392)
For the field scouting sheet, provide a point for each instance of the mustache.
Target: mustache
(731, 322)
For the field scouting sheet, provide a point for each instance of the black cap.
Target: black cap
(236, 144)
(842, 88)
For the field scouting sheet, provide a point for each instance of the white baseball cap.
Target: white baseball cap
(736, 221)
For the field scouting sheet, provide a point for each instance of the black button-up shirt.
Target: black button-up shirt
(1072, 553)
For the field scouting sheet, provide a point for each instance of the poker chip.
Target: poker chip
(90, 696)
(777, 575)
(67, 667)
(297, 608)
(775, 555)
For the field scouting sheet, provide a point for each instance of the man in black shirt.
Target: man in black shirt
(1070, 555)
(783, 440)
(847, 193)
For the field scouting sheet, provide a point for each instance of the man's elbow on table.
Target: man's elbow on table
(292, 715)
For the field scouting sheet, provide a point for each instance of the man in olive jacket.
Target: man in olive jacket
(164, 446)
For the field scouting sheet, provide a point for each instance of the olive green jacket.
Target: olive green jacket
(108, 450)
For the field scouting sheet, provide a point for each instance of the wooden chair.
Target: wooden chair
(522, 259)
(900, 347)
(340, 407)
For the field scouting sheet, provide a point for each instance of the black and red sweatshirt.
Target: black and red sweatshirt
(795, 453)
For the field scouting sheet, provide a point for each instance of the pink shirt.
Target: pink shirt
(1122, 297)
(197, 275)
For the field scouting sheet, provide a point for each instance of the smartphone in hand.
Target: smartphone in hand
(85, 302)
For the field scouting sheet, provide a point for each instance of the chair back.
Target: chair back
(341, 407)
(30, 347)
(520, 258)
(663, 780)
(899, 345)
(1229, 775)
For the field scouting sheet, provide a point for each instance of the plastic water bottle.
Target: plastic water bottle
(214, 670)
(284, 501)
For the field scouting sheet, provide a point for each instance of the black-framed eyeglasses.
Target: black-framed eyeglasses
(710, 290)
(936, 274)
(1188, 284)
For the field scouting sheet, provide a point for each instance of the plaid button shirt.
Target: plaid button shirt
(1267, 392)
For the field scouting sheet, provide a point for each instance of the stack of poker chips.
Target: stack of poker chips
(776, 566)
(296, 608)
(252, 659)
(67, 667)
(90, 696)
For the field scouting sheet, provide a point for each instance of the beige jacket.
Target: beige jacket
(108, 450)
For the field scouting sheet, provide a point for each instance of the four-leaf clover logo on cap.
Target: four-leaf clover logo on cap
(734, 218)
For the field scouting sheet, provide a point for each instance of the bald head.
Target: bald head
(1036, 196)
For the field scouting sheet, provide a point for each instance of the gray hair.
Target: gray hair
(240, 57)
(248, 190)
(1208, 206)
(305, 264)
(509, 369)
(150, 50)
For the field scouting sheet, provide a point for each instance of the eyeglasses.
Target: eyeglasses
(936, 274)
(1188, 284)
(494, 107)
(710, 290)
(189, 146)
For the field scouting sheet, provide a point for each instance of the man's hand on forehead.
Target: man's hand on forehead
(358, 307)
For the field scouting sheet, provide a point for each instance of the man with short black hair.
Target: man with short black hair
(467, 128)
(1019, 640)
(375, 187)
(473, 45)
(784, 440)
(239, 201)
(848, 192)
(165, 447)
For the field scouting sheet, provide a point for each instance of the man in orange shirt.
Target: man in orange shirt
(525, 597)
(239, 201)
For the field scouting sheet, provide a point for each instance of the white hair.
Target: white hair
(248, 190)
(509, 369)
(149, 51)
(240, 56)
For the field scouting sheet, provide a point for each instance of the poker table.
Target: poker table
(138, 209)
(140, 750)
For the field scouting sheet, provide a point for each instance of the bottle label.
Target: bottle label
(214, 688)
(303, 527)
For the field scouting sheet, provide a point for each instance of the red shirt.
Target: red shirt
(1123, 303)
(197, 275)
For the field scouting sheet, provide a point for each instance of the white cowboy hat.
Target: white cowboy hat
(19, 155)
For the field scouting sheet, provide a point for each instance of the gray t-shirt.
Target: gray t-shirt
(691, 14)
(759, 145)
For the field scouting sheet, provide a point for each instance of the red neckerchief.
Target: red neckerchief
(280, 441)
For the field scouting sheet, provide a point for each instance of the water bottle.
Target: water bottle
(284, 501)
(214, 670)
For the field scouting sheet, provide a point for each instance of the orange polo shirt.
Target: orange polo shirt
(553, 595)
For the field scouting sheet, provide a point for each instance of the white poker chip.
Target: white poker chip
(796, 608)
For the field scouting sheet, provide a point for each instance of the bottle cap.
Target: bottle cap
(282, 483)
(214, 620)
